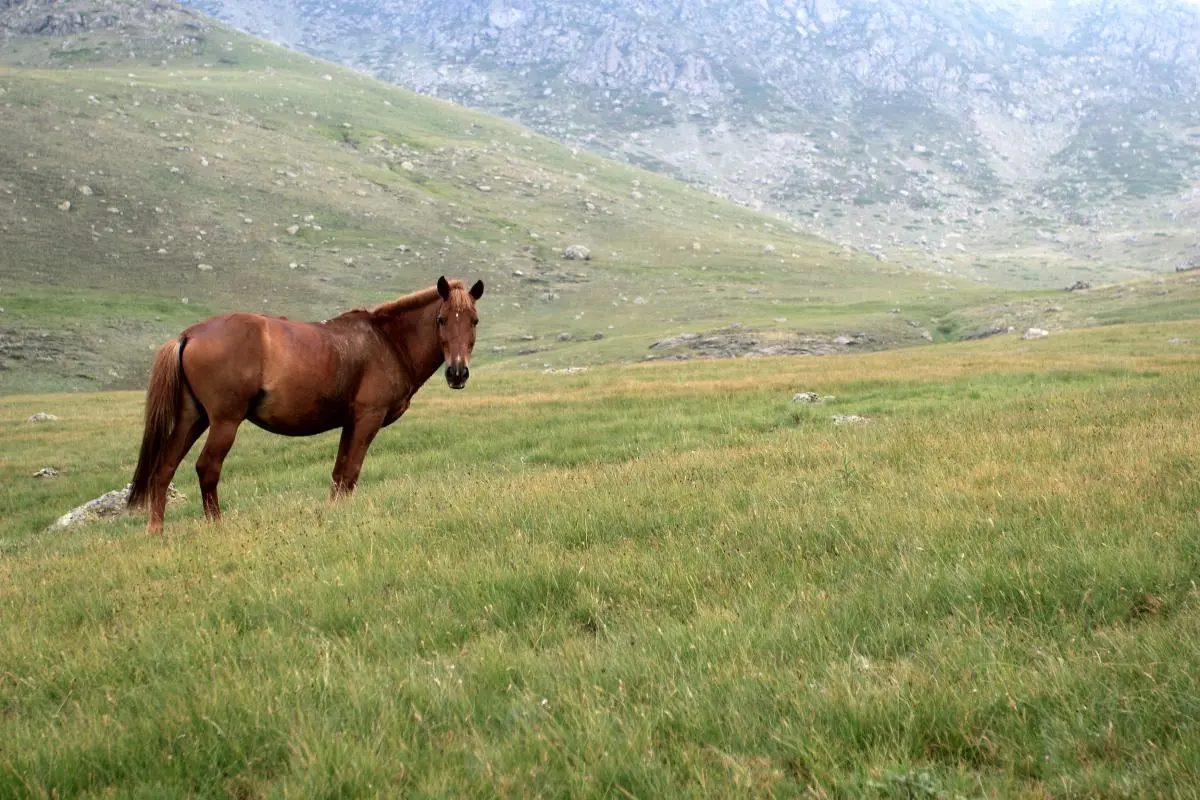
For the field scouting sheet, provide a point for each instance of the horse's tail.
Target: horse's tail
(163, 396)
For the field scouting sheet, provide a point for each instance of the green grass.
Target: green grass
(647, 581)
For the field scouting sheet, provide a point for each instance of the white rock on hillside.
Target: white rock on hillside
(106, 506)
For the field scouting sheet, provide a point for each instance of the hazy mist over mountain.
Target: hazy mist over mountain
(1012, 140)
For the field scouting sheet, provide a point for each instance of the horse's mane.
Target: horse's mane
(417, 299)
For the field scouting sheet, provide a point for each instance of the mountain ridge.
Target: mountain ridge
(1014, 145)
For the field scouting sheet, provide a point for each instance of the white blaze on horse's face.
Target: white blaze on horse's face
(456, 321)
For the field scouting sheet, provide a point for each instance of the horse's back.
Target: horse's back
(250, 337)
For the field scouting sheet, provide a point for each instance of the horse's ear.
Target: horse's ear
(477, 290)
(443, 288)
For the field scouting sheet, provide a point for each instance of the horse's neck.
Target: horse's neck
(414, 335)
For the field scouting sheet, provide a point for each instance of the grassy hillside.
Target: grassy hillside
(1175, 296)
(150, 142)
(650, 580)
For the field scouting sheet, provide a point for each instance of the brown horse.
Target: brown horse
(357, 371)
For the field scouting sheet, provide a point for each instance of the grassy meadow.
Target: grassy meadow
(637, 581)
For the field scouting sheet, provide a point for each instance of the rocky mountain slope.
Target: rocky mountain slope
(1020, 143)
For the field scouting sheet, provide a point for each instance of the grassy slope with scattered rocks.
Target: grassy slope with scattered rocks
(171, 158)
(1028, 148)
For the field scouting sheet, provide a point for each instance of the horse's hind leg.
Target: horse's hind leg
(208, 466)
(187, 430)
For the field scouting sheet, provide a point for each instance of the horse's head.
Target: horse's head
(456, 321)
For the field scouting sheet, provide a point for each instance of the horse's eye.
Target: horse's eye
(474, 322)
(441, 321)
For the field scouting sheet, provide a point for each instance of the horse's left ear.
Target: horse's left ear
(477, 290)
(443, 288)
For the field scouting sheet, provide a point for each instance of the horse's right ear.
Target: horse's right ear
(443, 288)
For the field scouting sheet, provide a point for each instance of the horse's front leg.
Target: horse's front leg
(356, 438)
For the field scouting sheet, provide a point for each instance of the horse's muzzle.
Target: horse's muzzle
(456, 376)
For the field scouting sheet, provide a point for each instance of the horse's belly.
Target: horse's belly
(292, 427)
(274, 414)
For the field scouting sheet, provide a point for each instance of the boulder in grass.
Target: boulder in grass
(807, 397)
(107, 506)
